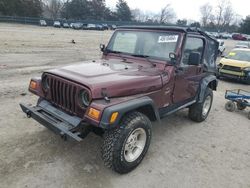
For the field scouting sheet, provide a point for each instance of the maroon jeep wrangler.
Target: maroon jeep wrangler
(145, 74)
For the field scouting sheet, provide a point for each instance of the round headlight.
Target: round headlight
(45, 83)
(84, 98)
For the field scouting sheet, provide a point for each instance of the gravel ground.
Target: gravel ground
(214, 153)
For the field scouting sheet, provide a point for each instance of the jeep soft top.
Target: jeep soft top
(145, 74)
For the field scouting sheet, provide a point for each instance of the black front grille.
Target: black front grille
(232, 68)
(63, 94)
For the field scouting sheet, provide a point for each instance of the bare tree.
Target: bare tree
(224, 14)
(53, 8)
(237, 19)
(147, 16)
(219, 11)
(167, 14)
(228, 15)
(138, 15)
(206, 14)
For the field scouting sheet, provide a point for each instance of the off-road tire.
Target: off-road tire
(240, 106)
(196, 110)
(113, 149)
(230, 106)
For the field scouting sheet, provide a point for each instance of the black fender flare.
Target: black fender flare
(125, 107)
(209, 81)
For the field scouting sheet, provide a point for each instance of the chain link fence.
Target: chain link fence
(35, 21)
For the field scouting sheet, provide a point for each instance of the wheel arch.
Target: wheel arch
(148, 111)
(210, 82)
(144, 105)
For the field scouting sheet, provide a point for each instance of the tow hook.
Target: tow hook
(28, 113)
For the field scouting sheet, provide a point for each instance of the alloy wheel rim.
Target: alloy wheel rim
(206, 105)
(135, 145)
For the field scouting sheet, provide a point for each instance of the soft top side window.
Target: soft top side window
(193, 44)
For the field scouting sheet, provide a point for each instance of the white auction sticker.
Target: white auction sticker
(168, 38)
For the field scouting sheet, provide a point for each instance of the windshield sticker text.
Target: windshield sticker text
(168, 38)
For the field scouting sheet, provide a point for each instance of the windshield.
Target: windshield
(239, 55)
(156, 45)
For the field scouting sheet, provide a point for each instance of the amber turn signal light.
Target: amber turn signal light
(33, 85)
(113, 117)
(94, 113)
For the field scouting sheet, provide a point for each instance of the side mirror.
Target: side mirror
(172, 57)
(194, 58)
(102, 47)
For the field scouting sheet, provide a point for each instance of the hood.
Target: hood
(235, 63)
(116, 77)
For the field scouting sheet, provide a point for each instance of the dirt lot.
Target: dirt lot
(214, 153)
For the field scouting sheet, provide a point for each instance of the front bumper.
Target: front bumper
(243, 76)
(56, 120)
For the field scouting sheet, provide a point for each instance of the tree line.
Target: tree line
(68, 9)
(221, 17)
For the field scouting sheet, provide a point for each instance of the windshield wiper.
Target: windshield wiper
(147, 57)
(111, 51)
(139, 55)
(120, 54)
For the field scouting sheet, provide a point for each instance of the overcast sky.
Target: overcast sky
(183, 8)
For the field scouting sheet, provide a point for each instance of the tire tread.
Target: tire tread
(113, 138)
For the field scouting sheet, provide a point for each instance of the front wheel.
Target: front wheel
(125, 147)
(230, 106)
(199, 111)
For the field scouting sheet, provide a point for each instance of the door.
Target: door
(187, 76)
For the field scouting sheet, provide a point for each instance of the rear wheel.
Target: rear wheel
(230, 106)
(199, 111)
(241, 106)
(125, 147)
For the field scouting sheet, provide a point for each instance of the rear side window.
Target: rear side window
(192, 45)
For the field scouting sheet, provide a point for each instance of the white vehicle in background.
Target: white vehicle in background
(221, 48)
(57, 24)
(248, 37)
(242, 44)
(226, 35)
(65, 25)
(42, 23)
(215, 34)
